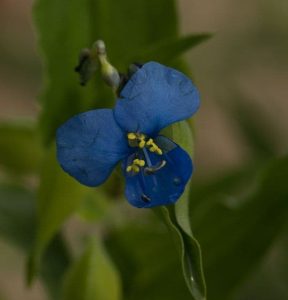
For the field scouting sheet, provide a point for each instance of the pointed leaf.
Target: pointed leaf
(182, 135)
(147, 258)
(190, 253)
(177, 218)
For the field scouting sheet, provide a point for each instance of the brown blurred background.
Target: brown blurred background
(247, 58)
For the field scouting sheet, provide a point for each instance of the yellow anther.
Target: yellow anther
(150, 142)
(142, 144)
(131, 136)
(139, 140)
(139, 162)
(135, 165)
(159, 151)
(129, 169)
(155, 148)
(135, 168)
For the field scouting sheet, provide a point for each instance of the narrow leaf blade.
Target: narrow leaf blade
(177, 218)
(190, 252)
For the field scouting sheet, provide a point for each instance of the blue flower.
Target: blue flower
(91, 144)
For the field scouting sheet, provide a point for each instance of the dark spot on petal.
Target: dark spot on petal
(145, 198)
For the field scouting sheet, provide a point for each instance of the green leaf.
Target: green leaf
(166, 51)
(73, 25)
(182, 135)
(190, 254)
(237, 226)
(127, 32)
(17, 226)
(147, 259)
(93, 277)
(59, 196)
(20, 149)
(65, 24)
(96, 206)
(177, 218)
(56, 261)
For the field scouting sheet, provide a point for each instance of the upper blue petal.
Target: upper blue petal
(166, 185)
(155, 97)
(89, 146)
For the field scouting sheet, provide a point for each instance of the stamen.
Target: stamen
(135, 168)
(129, 168)
(139, 140)
(135, 165)
(131, 136)
(153, 169)
(155, 149)
(159, 151)
(149, 142)
(142, 144)
(139, 162)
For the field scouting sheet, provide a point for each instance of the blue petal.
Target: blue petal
(166, 185)
(155, 97)
(89, 146)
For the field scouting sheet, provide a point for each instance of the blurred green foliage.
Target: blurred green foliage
(247, 212)
(24, 136)
(93, 276)
(237, 217)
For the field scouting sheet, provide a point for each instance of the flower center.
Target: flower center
(140, 140)
(145, 144)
